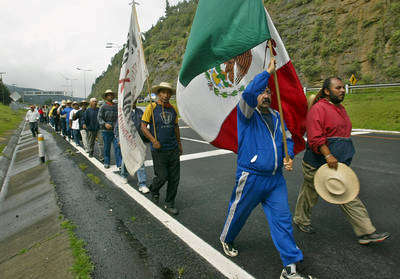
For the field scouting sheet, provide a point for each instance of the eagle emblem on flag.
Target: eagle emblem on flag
(224, 79)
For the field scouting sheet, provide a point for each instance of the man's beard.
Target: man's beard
(335, 99)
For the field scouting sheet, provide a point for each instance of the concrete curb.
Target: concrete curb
(8, 151)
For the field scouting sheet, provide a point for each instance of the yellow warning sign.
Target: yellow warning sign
(353, 79)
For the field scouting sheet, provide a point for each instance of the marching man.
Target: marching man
(259, 177)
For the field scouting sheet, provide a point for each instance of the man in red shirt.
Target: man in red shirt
(328, 141)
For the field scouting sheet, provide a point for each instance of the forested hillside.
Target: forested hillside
(322, 37)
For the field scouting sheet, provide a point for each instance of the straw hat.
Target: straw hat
(310, 100)
(163, 85)
(84, 102)
(75, 103)
(337, 186)
(69, 101)
(108, 91)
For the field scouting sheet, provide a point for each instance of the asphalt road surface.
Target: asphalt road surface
(144, 249)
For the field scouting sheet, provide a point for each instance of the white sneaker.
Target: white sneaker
(144, 189)
(295, 275)
(229, 249)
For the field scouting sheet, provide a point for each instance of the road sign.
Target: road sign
(15, 96)
(353, 79)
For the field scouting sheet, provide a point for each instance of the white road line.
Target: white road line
(184, 127)
(195, 140)
(368, 131)
(149, 163)
(211, 255)
(359, 133)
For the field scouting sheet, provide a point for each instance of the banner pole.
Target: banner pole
(278, 95)
(147, 79)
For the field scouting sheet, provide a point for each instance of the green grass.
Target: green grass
(374, 108)
(83, 166)
(83, 265)
(2, 146)
(9, 119)
(94, 178)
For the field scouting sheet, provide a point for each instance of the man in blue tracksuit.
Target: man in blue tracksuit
(259, 177)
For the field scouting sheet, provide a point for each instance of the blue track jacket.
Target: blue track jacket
(260, 150)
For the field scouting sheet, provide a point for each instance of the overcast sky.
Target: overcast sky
(43, 40)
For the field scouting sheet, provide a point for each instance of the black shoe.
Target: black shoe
(90, 155)
(106, 166)
(305, 228)
(171, 210)
(229, 249)
(155, 198)
(373, 238)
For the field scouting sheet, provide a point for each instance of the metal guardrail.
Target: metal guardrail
(349, 87)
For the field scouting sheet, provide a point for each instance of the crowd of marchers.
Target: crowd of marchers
(260, 161)
(94, 127)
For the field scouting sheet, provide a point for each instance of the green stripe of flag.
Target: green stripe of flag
(221, 30)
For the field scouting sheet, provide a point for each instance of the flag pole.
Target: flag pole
(147, 79)
(278, 95)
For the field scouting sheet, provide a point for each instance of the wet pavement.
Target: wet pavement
(125, 241)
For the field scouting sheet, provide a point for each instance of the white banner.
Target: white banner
(132, 77)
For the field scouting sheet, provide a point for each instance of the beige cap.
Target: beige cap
(108, 91)
(163, 85)
(337, 186)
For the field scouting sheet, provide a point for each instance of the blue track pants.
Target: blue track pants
(271, 192)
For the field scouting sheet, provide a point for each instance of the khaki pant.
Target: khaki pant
(84, 139)
(355, 210)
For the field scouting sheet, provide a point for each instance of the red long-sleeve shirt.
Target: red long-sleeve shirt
(326, 120)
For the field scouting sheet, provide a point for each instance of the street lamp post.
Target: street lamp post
(1, 81)
(70, 84)
(84, 76)
(114, 45)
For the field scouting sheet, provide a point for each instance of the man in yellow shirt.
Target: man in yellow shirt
(166, 145)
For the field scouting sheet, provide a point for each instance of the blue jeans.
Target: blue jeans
(108, 138)
(63, 126)
(77, 135)
(141, 174)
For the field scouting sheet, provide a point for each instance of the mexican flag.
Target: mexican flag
(227, 48)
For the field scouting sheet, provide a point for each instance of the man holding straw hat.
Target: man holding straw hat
(330, 149)
(166, 146)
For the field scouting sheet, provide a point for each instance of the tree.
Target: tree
(4, 94)
(167, 7)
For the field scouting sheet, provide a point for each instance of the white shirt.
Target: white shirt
(75, 123)
(32, 116)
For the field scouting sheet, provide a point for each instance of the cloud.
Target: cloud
(41, 40)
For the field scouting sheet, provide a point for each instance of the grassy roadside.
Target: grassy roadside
(83, 266)
(375, 108)
(9, 120)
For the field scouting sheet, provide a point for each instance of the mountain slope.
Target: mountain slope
(323, 38)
